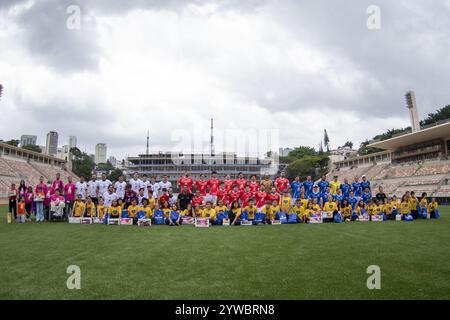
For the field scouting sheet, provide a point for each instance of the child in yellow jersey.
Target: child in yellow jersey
(433, 209)
(133, 210)
(303, 201)
(405, 206)
(101, 209)
(121, 204)
(90, 211)
(115, 211)
(330, 208)
(251, 210)
(286, 202)
(423, 206)
(316, 206)
(166, 209)
(275, 207)
(414, 204)
(347, 211)
(197, 212)
(209, 213)
(236, 212)
(298, 210)
(310, 211)
(361, 209)
(220, 207)
(147, 209)
(378, 209)
(188, 212)
(267, 211)
(78, 207)
(390, 209)
(370, 208)
(152, 202)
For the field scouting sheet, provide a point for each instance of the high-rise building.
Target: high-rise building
(100, 153)
(26, 140)
(72, 142)
(51, 146)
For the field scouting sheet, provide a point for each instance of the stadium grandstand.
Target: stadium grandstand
(417, 161)
(20, 164)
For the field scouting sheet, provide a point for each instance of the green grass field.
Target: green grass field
(326, 261)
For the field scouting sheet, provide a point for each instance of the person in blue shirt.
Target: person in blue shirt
(356, 187)
(365, 183)
(367, 195)
(352, 200)
(315, 194)
(323, 184)
(296, 185)
(308, 184)
(325, 194)
(346, 188)
(339, 196)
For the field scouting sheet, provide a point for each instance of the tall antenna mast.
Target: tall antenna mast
(212, 137)
(148, 139)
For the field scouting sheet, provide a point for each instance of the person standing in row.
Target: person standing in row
(12, 196)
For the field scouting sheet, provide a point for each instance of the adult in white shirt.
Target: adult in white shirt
(120, 188)
(165, 183)
(103, 185)
(144, 184)
(135, 183)
(109, 196)
(155, 187)
(92, 187)
(81, 188)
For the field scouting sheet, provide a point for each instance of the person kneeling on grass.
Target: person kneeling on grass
(133, 209)
(423, 206)
(90, 211)
(147, 209)
(330, 209)
(347, 211)
(78, 207)
(174, 217)
(236, 213)
(433, 209)
(298, 210)
(378, 209)
(361, 210)
(115, 211)
(405, 207)
(390, 209)
(268, 212)
(311, 211)
(209, 213)
(251, 210)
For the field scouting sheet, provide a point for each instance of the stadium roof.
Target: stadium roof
(433, 133)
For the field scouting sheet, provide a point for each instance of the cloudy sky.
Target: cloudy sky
(271, 73)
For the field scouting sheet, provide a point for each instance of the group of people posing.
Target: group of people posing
(257, 201)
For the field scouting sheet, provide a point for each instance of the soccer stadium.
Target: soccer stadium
(313, 179)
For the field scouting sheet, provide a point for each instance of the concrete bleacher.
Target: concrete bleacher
(13, 170)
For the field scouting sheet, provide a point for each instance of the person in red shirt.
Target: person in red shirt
(222, 194)
(281, 183)
(254, 184)
(164, 197)
(198, 199)
(246, 195)
(261, 197)
(240, 181)
(234, 195)
(228, 183)
(273, 196)
(202, 185)
(186, 180)
(214, 184)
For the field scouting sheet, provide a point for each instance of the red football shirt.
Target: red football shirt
(281, 183)
(261, 198)
(233, 196)
(186, 181)
(214, 185)
(197, 200)
(241, 183)
(228, 185)
(201, 185)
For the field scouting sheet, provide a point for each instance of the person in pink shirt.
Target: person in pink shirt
(41, 186)
(29, 198)
(58, 184)
(50, 191)
(69, 192)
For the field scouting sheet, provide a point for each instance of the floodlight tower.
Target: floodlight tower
(412, 106)
(212, 137)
